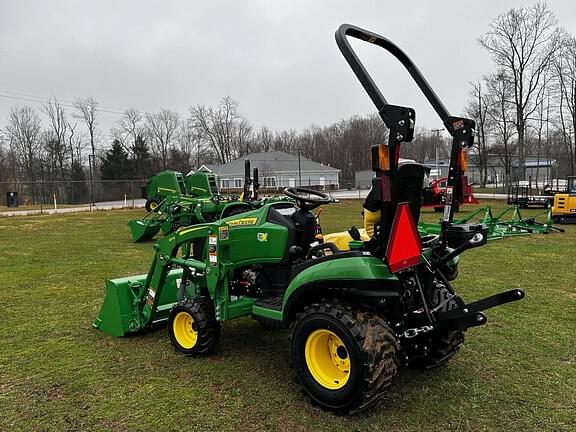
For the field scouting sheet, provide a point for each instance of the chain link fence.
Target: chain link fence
(71, 193)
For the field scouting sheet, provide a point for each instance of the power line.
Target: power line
(63, 102)
(25, 97)
(40, 100)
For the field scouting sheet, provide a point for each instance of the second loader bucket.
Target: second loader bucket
(143, 229)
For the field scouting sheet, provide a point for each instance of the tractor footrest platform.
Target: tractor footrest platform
(274, 302)
(268, 311)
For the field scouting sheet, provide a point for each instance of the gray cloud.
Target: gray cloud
(277, 58)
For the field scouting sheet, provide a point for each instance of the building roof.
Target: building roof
(270, 162)
(533, 162)
(495, 161)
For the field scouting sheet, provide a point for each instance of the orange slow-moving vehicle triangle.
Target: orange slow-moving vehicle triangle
(404, 246)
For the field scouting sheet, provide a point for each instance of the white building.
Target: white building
(276, 170)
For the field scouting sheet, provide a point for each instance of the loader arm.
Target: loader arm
(137, 302)
(165, 258)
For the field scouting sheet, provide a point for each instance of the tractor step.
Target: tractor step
(268, 311)
(273, 302)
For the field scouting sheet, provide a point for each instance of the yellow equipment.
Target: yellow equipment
(564, 208)
(342, 239)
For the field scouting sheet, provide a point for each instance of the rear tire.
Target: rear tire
(193, 328)
(344, 359)
(443, 345)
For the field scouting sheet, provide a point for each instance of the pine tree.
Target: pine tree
(115, 164)
(141, 159)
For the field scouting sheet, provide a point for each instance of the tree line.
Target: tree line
(525, 107)
(51, 144)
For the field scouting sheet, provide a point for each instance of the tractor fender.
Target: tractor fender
(235, 208)
(352, 275)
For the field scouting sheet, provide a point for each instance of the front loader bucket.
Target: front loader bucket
(143, 229)
(121, 312)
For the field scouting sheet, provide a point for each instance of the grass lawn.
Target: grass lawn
(516, 373)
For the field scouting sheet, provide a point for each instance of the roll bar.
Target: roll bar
(396, 119)
(371, 88)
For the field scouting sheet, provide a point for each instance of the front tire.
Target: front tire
(152, 203)
(344, 359)
(193, 327)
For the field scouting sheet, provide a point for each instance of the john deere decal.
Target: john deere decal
(243, 222)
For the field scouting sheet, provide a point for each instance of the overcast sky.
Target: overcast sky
(277, 58)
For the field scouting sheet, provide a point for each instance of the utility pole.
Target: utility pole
(299, 169)
(90, 164)
(437, 132)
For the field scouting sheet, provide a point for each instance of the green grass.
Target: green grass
(518, 372)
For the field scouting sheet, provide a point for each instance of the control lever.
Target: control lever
(478, 239)
(355, 233)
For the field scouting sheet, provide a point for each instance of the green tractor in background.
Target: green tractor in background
(167, 184)
(174, 201)
(359, 314)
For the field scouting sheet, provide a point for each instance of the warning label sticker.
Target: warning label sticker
(223, 233)
(151, 296)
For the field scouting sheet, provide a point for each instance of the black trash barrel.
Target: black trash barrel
(11, 199)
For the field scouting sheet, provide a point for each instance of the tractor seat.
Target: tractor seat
(342, 239)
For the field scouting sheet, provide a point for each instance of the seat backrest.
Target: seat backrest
(409, 185)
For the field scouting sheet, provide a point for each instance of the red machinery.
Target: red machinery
(434, 195)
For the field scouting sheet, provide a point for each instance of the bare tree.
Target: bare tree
(477, 109)
(7, 160)
(162, 128)
(24, 130)
(55, 140)
(523, 43)
(263, 139)
(189, 144)
(130, 127)
(565, 76)
(500, 103)
(77, 143)
(539, 123)
(87, 110)
(286, 141)
(131, 134)
(223, 129)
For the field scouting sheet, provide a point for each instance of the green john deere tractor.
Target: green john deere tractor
(167, 184)
(359, 314)
(175, 201)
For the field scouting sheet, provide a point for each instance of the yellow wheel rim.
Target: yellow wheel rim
(183, 328)
(327, 359)
(153, 205)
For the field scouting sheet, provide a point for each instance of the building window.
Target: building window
(224, 183)
(238, 183)
(269, 182)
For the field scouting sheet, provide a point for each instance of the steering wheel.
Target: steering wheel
(311, 200)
